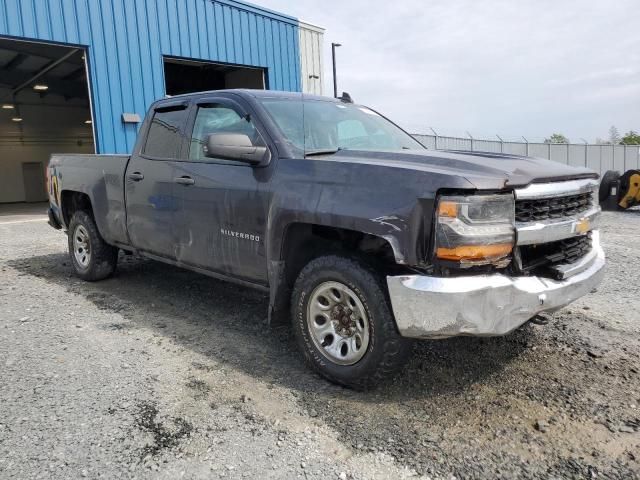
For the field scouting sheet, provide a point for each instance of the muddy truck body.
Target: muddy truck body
(363, 238)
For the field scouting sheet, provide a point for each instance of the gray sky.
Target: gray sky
(512, 67)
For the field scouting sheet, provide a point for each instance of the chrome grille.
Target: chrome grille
(554, 223)
(548, 212)
(530, 210)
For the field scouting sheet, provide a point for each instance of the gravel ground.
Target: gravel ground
(163, 373)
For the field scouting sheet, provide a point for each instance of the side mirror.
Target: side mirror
(235, 146)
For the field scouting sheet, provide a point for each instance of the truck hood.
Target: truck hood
(485, 170)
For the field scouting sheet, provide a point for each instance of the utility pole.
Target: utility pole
(333, 57)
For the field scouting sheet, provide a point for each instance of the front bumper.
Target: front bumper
(485, 305)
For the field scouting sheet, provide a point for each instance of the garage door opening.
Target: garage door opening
(188, 76)
(45, 109)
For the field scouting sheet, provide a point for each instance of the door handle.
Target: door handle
(184, 180)
(136, 176)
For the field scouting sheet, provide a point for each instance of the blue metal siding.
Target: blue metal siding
(126, 40)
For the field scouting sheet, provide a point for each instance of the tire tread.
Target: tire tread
(394, 349)
(104, 257)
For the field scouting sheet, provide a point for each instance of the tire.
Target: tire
(608, 178)
(382, 350)
(92, 258)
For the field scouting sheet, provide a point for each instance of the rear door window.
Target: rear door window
(165, 133)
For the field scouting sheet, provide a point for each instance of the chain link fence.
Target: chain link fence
(597, 157)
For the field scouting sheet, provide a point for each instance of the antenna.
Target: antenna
(345, 98)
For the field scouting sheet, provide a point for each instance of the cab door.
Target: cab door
(221, 219)
(150, 181)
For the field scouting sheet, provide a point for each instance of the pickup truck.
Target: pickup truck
(362, 237)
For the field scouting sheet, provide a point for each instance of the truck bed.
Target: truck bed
(101, 178)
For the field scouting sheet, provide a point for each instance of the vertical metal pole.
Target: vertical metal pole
(435, 134)
(549, 147)
(600, 160)
(613, 156)
(471, 137)
(586, 149)
(501, 143)
(526, 142)
(335, 79)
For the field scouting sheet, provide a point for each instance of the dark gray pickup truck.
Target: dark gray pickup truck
(363, 237)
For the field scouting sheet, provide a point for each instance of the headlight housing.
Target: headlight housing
(475, 229)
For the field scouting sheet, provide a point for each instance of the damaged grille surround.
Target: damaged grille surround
(547, 255)
(554, 224)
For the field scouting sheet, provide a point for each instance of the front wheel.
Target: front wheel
(343, 322)
(92, 258)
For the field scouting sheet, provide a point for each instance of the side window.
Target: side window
(219, 119)
(164, 138)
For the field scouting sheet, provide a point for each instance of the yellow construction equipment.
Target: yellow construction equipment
(629, 189)
(620, 191)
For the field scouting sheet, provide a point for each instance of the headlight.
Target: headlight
(475, 229)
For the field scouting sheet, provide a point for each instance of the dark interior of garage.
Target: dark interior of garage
(45, 109)
(187, 76)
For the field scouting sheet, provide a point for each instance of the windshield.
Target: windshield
(316, 125)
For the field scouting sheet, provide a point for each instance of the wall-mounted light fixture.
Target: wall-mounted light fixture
(131, 118)
(88, 122)
(16, 119)
(7, 106)
(40, 87)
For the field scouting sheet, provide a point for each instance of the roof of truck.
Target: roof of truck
(259, 94)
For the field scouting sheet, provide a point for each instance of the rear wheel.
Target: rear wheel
(92, 258)
(343, 322)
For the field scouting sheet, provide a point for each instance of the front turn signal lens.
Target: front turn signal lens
(448, 209)
(474, 252)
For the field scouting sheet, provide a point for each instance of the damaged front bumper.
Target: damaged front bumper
(486, 305)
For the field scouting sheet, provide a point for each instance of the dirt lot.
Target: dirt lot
(163, 373)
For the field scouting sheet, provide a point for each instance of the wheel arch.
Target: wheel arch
(303, 241)
(71, 201)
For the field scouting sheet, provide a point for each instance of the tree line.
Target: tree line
(630, 138)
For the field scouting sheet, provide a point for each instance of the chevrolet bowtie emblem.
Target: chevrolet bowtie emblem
(583, 225)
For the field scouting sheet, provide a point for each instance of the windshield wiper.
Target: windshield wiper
(326, 151)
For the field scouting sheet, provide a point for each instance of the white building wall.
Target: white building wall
(311, 55)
